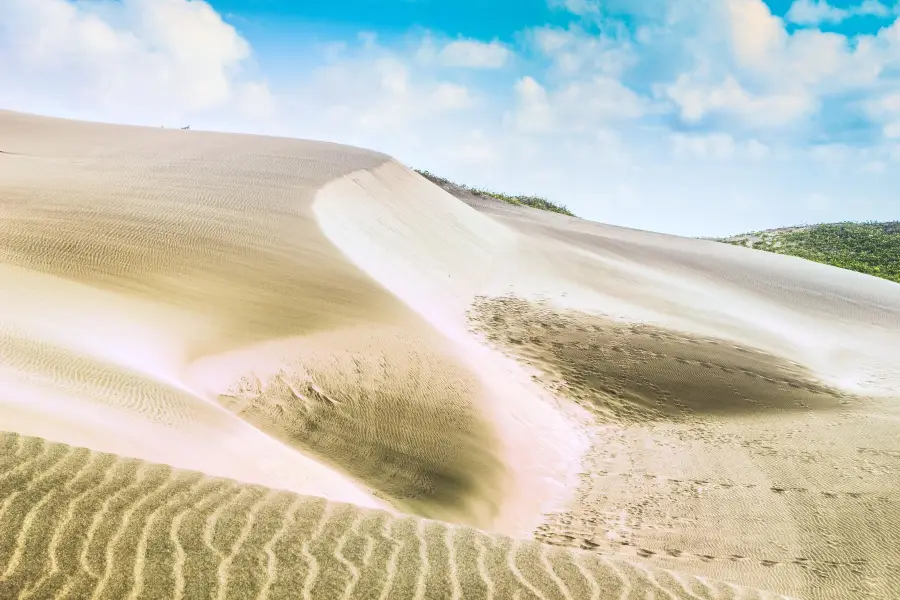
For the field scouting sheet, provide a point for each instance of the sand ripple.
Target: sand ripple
(80, 524)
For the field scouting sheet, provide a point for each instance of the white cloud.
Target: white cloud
(600, 98)
(578, 7)
(834, 155)
(256, 100)
(732, 59)
(756, 34)
(430, 50)
(534, 113)
(716, 146)
(474, 54)
(377, 92)
(826, 62)
(574, 51)
(813, 12)
(889, 104)
(874, 167)
(449, 96)
(819, 61)
(578, 106)
(816, 12)
(892, 130)
(843, 159)
(153, 58)
(876, 9)
(757, 150)
(698, 99)
(886, 110)
(751, 70)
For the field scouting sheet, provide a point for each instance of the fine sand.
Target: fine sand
(248, 367)
(82, 524)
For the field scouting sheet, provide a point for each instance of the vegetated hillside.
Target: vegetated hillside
(532, 201)
(870, 247)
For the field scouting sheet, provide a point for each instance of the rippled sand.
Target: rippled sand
(81, 524)
(236, 366)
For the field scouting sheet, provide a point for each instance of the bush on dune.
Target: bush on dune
(869, 247)
(532, 201)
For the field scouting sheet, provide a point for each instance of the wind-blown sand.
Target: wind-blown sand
(81, 524)
(249, 367)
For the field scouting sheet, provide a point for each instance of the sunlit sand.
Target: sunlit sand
(245, 367)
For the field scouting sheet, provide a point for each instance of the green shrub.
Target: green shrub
(532, 201)
(869, 247)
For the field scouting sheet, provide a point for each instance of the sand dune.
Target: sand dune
(153, 270)
(391, 409)
(838, 323)
(275, 357)
(81, 524)
(717, 459)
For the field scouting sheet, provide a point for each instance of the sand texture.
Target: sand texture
(83, 524)
(717, 459)
(244, 367)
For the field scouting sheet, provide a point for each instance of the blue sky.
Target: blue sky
(489, 19)
(695, 117)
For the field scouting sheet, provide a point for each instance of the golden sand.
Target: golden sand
(82, 524)
(235, 366)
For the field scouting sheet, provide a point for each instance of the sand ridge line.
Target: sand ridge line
(435, 253)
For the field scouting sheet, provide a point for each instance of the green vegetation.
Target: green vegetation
(532, 201)
(870, 247)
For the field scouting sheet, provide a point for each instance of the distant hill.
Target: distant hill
(459, 189)
(870, 247)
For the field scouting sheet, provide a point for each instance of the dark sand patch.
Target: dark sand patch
(636, 372)
(388, 409)
(716, 460)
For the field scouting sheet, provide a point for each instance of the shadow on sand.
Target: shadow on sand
(629, 372)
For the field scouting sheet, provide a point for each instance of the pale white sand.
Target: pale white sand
(760, 479)
(437, 255)
(297, 315)
(841, 324)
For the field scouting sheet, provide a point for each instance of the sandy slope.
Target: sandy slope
(321, 320)
(743, 407)
(839, 323)
(155, 276)
(747, 404)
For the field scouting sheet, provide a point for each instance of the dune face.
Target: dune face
(245, 367)
(388, 408)
(151, 270)
(215, 225)
(751, 437)
(839, 324)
